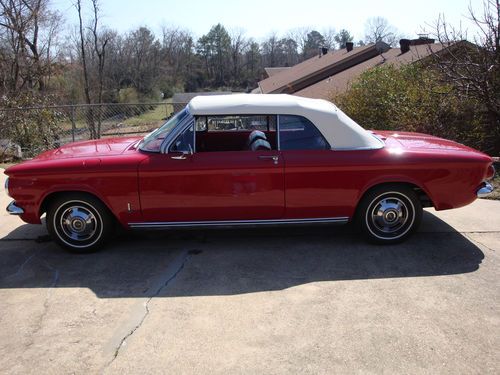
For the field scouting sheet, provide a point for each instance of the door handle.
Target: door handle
(180, 157)
(274, 158)
(184, 154)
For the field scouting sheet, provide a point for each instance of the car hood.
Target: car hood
(96, 148)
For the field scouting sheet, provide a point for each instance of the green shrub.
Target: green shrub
(128, 95)
(413, 98)
(34, 129)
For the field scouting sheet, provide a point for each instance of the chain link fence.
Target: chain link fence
(25, 132)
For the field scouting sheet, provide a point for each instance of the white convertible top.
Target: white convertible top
(338, 129)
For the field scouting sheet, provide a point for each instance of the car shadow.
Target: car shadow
(230, 261)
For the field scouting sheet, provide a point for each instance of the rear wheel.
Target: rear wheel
(389, 214)
(78, 222)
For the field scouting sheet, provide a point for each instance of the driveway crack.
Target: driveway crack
(20, 269)
(46, 303)
(158, 286)
(478, 242)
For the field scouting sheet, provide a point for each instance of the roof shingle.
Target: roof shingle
(318, 68)
(340, 82)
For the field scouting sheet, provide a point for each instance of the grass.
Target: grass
(149, 117)
(146, 120)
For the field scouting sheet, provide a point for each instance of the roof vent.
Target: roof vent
(404, 45)
(323, 51)
(422, 39)
(349, 46)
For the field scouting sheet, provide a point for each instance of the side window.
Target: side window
(184, 141)
(298, 133)
(217, 133)
(238, 123)
(201, 123)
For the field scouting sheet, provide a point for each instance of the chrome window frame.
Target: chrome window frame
(172, 136)
(278, 139)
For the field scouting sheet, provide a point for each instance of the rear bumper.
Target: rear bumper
(484, 190)
(14, 209)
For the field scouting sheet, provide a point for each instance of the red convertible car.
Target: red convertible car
(247, 160)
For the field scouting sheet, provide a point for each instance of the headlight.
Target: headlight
(7, 186)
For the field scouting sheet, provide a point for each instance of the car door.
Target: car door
(184, 185)
(315, 183)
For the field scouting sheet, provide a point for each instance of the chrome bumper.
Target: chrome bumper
(485, 190)
(13, 209)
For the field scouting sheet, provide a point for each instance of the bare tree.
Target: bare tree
(92, 45)
(28, 28)
(299, 34)
(474, 68)
(378, 29)
(83, 53)
(100, 43)
(238, 45)
(177, 54)
(329, 38)
(270, 50)
(86, 82)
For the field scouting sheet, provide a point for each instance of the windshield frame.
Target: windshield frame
(186, 117)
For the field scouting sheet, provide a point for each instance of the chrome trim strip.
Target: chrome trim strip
(494, 170)
(278, 146)
(229, 223)
(194, 135)
(165, 145)
(14, 209)
(485, 190)
(358, 148)
(6, 187)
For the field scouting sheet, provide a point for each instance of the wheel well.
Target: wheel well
(425, 200)
(52, 196)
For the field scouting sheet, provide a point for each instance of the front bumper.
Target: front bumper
(484, 190)
(14, 209)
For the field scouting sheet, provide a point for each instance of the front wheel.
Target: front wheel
(389, 214)
(78, 222)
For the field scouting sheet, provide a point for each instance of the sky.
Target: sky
(260, 18)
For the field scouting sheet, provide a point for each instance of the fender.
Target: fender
(393, 179)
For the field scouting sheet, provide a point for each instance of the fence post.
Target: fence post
(73, 125)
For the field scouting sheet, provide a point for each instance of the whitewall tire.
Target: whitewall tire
(79, 222)
(389, 214)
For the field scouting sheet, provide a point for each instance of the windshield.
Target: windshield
(153, 140)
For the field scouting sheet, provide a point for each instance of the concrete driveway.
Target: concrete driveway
(287, 300)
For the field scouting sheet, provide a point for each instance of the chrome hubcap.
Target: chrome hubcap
(78, 223)
(389, 215)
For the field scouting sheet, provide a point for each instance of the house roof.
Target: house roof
(275, 70)
(318, 68)
(339, 130)
(340, 82)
